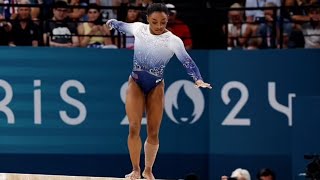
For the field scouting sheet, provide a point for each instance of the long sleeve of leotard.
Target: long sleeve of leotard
(177, 47)
(124, 27)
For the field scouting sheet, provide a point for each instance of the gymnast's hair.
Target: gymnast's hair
(157, 7)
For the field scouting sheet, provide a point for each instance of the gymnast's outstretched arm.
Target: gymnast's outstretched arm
(123, 27)
(178, 48)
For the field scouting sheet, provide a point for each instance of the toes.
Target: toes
(133, 175)
(148, 176)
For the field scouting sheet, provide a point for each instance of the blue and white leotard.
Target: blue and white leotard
(153, 52)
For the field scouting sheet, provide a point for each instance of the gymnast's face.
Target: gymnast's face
(158, 22)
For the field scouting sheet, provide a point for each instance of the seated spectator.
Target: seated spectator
(298, 14)
(133, 15)
(24, 31)
(311, 30)
(269, 29)
(179, 28)
(144, 4)
(96, 29)
(239, 174)
(109, 13)
(238, 31)
(266, 174)
(256, 16)
(297, 11)
(35, 11)
(46, 11)
(5, 28)
(59, 32)
(296, 39)
(77, 14)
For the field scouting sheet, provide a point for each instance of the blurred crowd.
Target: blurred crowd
(250, 24)
(75, 23)
(243, 174)
(279, 24)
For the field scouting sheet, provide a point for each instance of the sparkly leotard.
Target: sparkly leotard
(153, 52)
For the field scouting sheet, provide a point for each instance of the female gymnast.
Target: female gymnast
(153, 48)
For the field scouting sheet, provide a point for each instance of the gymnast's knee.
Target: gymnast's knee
(134, 130)
(153, 133)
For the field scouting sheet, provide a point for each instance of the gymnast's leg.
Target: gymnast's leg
(154, 109)
(135, 106)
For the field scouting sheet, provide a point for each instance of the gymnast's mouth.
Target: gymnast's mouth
(158, 30)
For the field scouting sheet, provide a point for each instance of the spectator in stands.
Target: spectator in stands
(178, 27)
(298, 15)
(133, 15)
(35, 11)
(296, 39)
(94, 27)
(239, 174)
(46, 11)
(77, 14)
(239, 32)
(24, 31)
(144, 4)
(266, 174)
(269, 29)
(59, 32)
(311, 30)
(5, 28)
(256, 16)
(109, 13)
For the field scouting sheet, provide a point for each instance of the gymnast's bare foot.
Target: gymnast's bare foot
(135, 174)
(147, 174)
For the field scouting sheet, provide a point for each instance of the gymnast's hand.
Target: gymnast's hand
(108, 23)
(200, 83)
